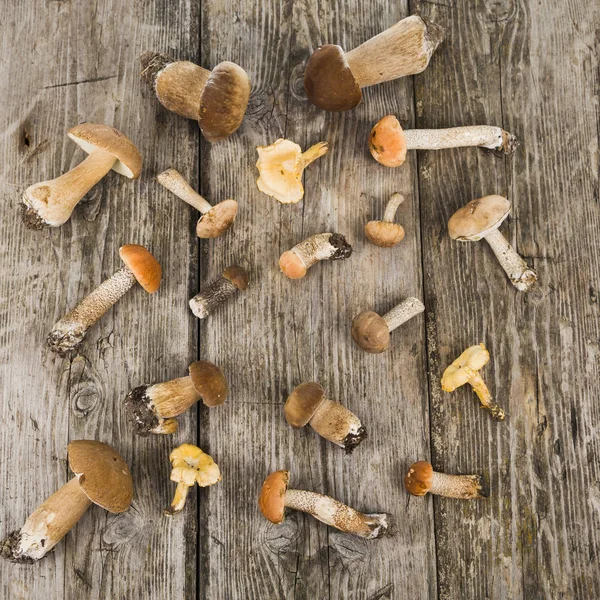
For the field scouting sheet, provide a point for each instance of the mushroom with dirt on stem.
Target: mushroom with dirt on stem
(50, 203)
(421, 478)
(140, 266)
(386, 233)
(234, 278)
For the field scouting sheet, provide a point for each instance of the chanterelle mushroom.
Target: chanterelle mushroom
(465, 369)
(101, 477)
(322, 246)
(190, 466)
(421, 478)
(215, 220)
(50, 203)
(217, 99)
(234, 278)
(280, 168)
(481, 218)
(140, 266)
(386, 233)
(308, 404)
(333, 79)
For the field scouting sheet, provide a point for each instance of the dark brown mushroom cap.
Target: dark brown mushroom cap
(103, 475)
(370, 332)
(302, 403)
(272, 496)
(479, 217)
(143, 265)
(384, 234)
(329, 82)
(217, 220)
(209, 382)
(237, 275)
(419, 478)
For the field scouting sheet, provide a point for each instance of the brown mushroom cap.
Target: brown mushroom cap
(217, 220)
(419, 478)
(302, 403)
(237, 275)
(143, 265)
(371, 332)
(292, 265)
(384, 234)
(387, 142)
(478, 218)
(209, 382)
(103, 475)
(328, 80)
(272, 496)
(89, 136)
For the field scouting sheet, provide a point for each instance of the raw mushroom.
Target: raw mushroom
(101, 477)
(276, 496)
(280, 168)
(481, 218)
(140, 266)
(217, 99)
(333, 79)
(421, 478)
(190, 466)
(322, 246)
(152, 408)
(308, 404)
(386, 233)
(215, 220)
(372, 331)
(234, 278)
(465, 369)
(50, 203)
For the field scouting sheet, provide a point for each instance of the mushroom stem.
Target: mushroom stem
(485, 136)
(484, 395)
(173, 180)
(326, 419)
(165, 427)
(310, 155)
(518, 271)
(394, 202)
(172, 398)
(181, 492)
(203, 303)
(322, 246)
(406, 310)
(338, 515)
(464, 487)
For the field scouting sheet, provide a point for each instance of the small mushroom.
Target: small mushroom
(140, 266)
(280, 167)
(101, 477)
(152, 408)
(372, 331)
(234, 278)
(386, 233)
(465, 369)
(322, 246)
(50, 203)
(481, 218)
(217, 99)
(333, 79)
(308, 404)
(421, 478)
(388, 142)
(276, 496)
(215, 220)
(190, 466)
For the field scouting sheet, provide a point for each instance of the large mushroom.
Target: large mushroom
(101, 477)
(50, 203)
(234, 278)
(421, 479)
(217, 99)
(140, 266)
(322, 246)
(333, 79)
(386, 233)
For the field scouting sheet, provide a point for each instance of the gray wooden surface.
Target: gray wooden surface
(528, 66)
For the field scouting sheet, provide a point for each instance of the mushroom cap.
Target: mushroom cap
(272, 496)
(217, 220)
(302, 403)
(237, 275)
(143, 265)
(328, 80)
(280, 172)
(209, 382)
(89, 136)
(419, 478)
(387, 142)
(478, 218)
(103, 475)
(371, 332)
(384, 234)
(462, 369)
(192, 465)
(223, 101)
(292, 265)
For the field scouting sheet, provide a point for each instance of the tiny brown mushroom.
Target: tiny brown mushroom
(421, 478)
(386, 233)
(234, 278)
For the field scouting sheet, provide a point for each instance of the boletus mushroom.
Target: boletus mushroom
(388, 142)
(190, 466)
(217, 99)
(386, 233)
(215, 220)
(333, 79)
(152, 408)
(421, 478)
(50, 203)
(481, 218)
(308, 404)
(140, 266)
(276, 496)
(101, 477)
(372, 331)
(465, 369)
(280, 167)
(322, 246)
(234, 278)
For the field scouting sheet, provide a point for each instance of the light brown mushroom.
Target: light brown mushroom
(234, 278)
(386, 233)
(421, 479)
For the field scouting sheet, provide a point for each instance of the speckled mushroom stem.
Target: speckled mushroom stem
(405, 311)
(322, 246)
(394, 202)
(464, 487)
(337, 424)
(338, 515)
(215, 293)
(518, 271)
(314, 152)
(68, 333)
(484, 395)
(173, 180)
(181, 492)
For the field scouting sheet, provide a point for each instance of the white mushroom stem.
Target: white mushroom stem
(337, 515)
(405, 311)
(179, 499)
(466, 487)
(174, 397)
(337, 424)
(215, 293)
(316, 151)
(485, 136)
(173, 180)
(392, 206)
(319, 247)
